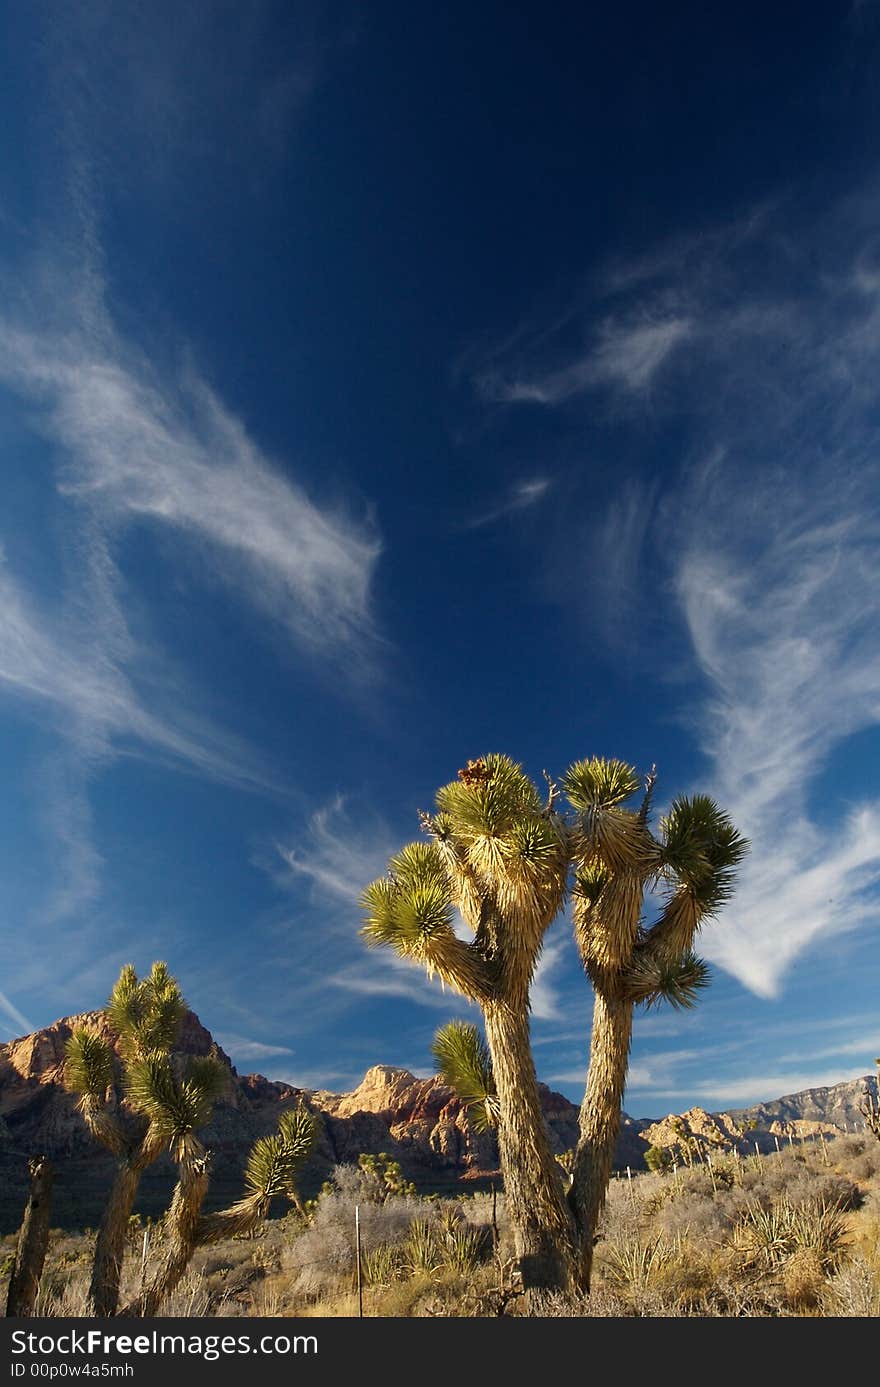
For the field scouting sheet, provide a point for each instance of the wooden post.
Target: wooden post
(629, 1176)
(33, 1239)
(357, 1239)
(776, 1139)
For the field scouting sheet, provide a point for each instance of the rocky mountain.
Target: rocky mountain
(418, 1122)
(840, 1105)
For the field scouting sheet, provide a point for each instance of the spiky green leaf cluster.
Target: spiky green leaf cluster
(491, 801)
(606, 833)
(146, 1014)
(412, 904)
(464, 1063)
(599, 783)
(702, 850)
(275, 1161)
(176, 1107)
(88, 1064)
(650, 981)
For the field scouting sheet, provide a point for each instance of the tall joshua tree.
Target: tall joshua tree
(505, 860)
(615, 859)
(145, 1016)
(500, 856)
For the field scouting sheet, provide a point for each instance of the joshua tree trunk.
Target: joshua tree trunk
(33, 1239)
(543, 1227)
(110, 1245)
(600, 1119)
(183, 1225)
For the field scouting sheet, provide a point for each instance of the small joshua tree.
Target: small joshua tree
(145, 1016)
(166, 1100)
(505, 860)
(870, 1107)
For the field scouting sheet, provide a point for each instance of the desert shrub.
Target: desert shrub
(422, 1247)
(370, 1180)
(464, 1247)
(696, 1216)
(803, 1279)
(826, 1188)
(383, 1265)
(853, 1290)
(769, 1238)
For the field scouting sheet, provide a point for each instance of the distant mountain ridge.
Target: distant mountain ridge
(419, 1122)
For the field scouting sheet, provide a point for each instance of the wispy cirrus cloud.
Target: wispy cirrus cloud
(165, 452)
(625, 354)
(12, 1013)
(785, 635)
(136, 447)
(520, 497)
(763, 550)
(242, 1050)
(757, 1087)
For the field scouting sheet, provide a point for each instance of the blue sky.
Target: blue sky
(381, 386)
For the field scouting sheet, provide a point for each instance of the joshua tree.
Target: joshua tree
(499, 856)
(272, 1169)
(616, 858)
(167, 1100)
(870, 1107)
(145, 1017)
(503, 858)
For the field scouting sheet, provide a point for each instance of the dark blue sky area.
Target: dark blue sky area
(384, 385)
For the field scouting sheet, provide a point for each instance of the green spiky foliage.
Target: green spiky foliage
(464, 1063)
(273, 1166)
(176, 1106)
(503, 859)
(146, 1014)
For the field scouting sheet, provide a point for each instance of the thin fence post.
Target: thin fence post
(357, 1240)
(145, 1252)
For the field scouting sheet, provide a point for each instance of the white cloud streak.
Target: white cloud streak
(9, 1009)
(522, 496)
(624, 354)
(242, 1050)
(770, 546)
(167, 453)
